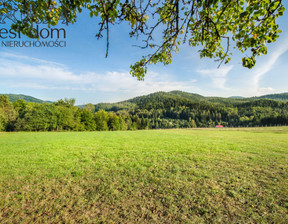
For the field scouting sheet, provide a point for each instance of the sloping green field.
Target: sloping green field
(158, 176)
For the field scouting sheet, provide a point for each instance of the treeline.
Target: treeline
(62, 116)
(159, 110)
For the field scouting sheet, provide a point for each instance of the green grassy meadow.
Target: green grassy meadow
(155, 176)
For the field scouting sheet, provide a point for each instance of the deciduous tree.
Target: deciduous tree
(214, 25)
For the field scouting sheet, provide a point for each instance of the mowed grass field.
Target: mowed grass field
(156, 176)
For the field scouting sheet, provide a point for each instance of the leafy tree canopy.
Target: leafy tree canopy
(214, 25)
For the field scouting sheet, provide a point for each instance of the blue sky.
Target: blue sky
(81, 70)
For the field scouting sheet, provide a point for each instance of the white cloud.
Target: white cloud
(23, 57)
(266, 90)
(30, 73)
(218, 76)
(18, 69)
(268, 65)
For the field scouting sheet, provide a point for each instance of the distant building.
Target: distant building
(219, 126)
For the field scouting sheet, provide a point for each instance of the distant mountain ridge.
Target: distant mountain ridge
(197, 97)
(30, 99)
(277, 96)
(236, 97)
(172, 94)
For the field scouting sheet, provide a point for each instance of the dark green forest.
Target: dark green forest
(174, 109)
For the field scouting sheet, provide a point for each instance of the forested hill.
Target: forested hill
(282, 96)
(182, 109)
(229, 100)
(178, 98)
(15, 97)
(174, 109)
